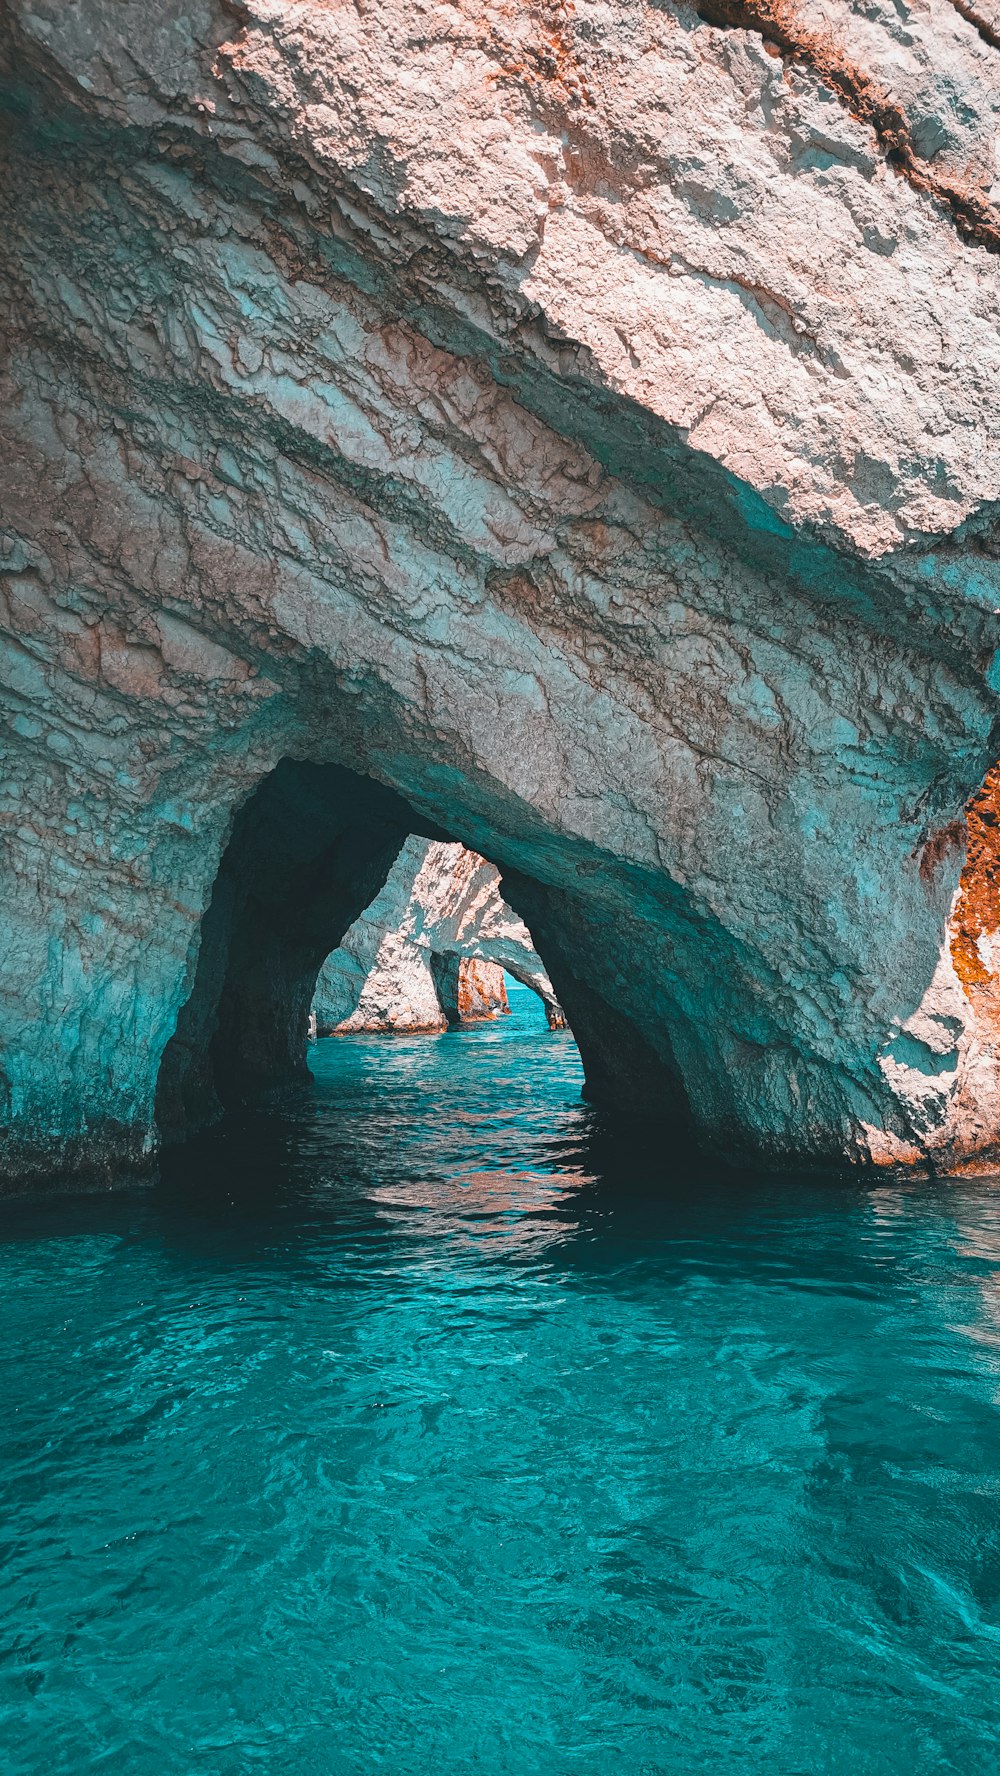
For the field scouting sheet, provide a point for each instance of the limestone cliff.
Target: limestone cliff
(569, 429)
(430, 949)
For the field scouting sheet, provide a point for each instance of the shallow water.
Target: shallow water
(426, 1427)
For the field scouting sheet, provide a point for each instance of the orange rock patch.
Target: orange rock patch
(482, 992)
(543, 58)
(977, 913)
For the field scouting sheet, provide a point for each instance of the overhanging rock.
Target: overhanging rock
(580, 420)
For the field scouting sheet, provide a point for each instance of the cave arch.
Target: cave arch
(467, 986)
(309, 468)
(451, 972)
(392, 972)
(555, 1018)
(308, 850)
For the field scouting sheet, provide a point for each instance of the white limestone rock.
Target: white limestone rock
(439, 900)
(582, 419)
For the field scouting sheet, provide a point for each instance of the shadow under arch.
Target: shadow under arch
(623, 1071)
(309, 849)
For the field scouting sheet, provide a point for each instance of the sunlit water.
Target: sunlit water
(426, 1428)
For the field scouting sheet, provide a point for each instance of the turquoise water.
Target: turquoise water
(426, 1427)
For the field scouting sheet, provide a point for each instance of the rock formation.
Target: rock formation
(470, 991)
(566, 429)
(430, 949)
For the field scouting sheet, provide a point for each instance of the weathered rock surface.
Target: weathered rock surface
(440, 905)
(470, 991)
(579, 419)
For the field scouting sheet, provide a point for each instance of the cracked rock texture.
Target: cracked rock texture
(579, 418)
(440, 905)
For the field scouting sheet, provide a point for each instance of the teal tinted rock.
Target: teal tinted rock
(424, 415)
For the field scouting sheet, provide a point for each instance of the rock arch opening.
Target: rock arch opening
(469, 990)
(307, 851)
(318, 854)
(432, 950)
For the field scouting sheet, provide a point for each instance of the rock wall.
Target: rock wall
(306, 852)
(578, 419)
(440, 903)
(470, 991)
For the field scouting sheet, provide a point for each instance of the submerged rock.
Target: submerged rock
(567, 430)
(430, 950)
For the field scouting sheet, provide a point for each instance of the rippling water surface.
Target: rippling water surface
(426, 1428)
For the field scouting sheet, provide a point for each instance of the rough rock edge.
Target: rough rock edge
(778, 22)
